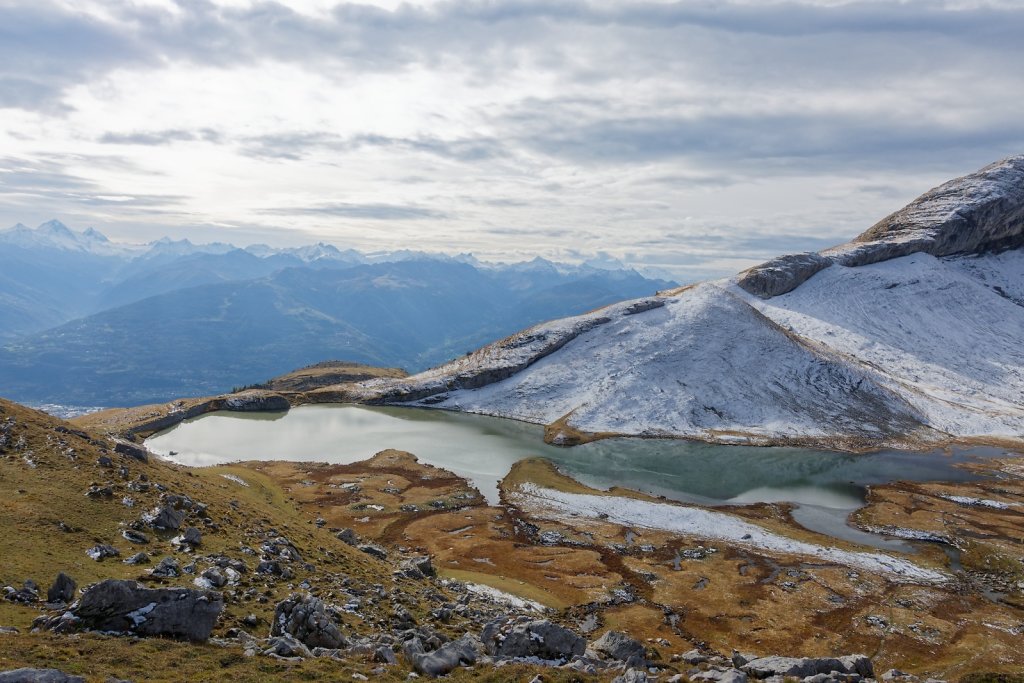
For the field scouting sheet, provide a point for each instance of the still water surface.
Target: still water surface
(826, 485)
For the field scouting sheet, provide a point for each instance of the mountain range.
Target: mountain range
(87, 321)
(910, 335)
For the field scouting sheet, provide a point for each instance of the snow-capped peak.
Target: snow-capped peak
(55, 235)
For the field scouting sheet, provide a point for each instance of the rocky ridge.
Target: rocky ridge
(978, 213)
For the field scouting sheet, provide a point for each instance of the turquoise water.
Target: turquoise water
(827, 485)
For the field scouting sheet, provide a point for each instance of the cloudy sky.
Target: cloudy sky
(699, 136)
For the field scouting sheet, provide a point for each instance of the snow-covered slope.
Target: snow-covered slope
(927, 329)
(912, 333)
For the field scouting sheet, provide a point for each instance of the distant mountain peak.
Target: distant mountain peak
(53, 234)
(54, 226)
(95, 235)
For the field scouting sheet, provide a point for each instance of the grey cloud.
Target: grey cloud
(50, 183)
(760, 142)
(21, 93)
(161, 137)
(296, 145)
(52, 47)
(383, 212)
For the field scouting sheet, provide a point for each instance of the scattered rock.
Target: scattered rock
(310, 620)
(131, 450)
(167, 568)
(62, 590)
(416, 568)
(348, 536)
(97, 491)
(374, 551)
(136, 537)
(286, 646)
(101, 552)
(191, 538)
(385, 655)
(720, 675)
(212, 578)
(694, 657)
(26, 595)
(620, 647)
(137, 558)
(165, 517)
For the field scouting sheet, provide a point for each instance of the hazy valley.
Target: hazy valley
(138, 325)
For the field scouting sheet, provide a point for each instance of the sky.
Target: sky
(697, 137)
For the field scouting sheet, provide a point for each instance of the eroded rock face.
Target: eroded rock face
(128, 607)
(256, 401)
(980, 212)
(307, 619)
(782, 274)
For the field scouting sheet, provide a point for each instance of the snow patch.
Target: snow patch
(979, 502)
(503, 597)
(139, 615)
(710, 525)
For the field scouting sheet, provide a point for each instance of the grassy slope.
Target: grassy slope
(35, 500)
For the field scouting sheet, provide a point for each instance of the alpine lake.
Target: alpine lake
(825, 486)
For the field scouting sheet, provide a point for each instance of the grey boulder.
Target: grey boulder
(308, 619)
(802, 667)
(127, 607)
(102, 551)
(165, 517)
(62, 590)
(539, 638)
(348, 536)
(286, 646)
(617, 645)
(416, 568)
(444, 659)
(374, 551)
(38, 676)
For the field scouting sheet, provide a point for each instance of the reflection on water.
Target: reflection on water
(482, 449)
